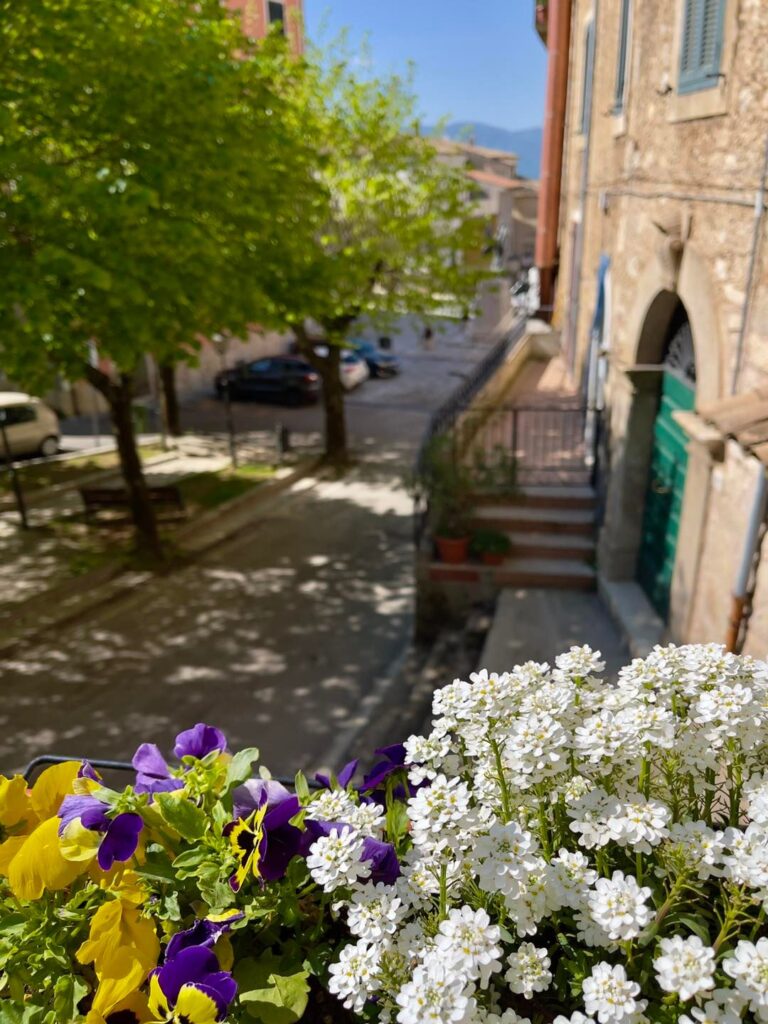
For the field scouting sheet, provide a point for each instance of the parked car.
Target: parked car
(354, 370)
(282, 379)
(30, 425)
(379, 363)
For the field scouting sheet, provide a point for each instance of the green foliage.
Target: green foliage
(271, 990)
(492, 542)
(449, 485)
(135, 211)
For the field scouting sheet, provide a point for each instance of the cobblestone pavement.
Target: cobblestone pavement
(276, 636)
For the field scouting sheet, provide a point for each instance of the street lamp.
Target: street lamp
(15, 482)
(221, 341)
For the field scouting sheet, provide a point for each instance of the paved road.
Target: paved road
(279, 637)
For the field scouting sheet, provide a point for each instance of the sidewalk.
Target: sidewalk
(537, 625)
(35, 560)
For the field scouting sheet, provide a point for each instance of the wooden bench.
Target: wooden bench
(100, 499)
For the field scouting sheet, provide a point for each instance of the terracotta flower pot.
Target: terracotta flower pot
(453, 549)
(492, 558)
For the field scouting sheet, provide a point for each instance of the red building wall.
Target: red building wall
(256, 19)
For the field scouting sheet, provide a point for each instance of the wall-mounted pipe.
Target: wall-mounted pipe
(745, 309)
(558, 47)
(741, 583)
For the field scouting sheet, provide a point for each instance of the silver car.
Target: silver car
(30, 425)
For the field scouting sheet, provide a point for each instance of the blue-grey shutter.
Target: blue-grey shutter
(623, 58)
(589, 65)
(701, 44)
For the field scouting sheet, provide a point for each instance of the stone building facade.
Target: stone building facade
(662, 294)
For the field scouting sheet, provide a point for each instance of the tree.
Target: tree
(148, 168)
(397, 227)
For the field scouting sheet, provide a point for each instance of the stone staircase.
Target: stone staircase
(552, 529)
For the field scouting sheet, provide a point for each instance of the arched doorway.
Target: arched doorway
(675, 355)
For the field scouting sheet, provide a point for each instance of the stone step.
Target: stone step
(519, 572)
(520, 519)
(552, 545)
(543, 496)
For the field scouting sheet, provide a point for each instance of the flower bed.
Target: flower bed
(557, 849)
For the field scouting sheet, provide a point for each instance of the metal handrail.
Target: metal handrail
(119, 766)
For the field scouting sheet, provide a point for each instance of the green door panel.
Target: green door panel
(664, 494)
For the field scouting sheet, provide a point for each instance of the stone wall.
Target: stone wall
(669, 195)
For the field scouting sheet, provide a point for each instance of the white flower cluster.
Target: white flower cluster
(595, 849)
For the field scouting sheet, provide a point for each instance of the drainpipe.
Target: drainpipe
(558, 46)
(740, 589)
(759, 213)
(574, 299)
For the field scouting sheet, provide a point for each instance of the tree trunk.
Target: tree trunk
(170, 399)
(119, 394)
(329, 368)
(335, 414)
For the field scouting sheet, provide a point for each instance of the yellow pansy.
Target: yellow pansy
(39, 865)
(192, 1005)
(110, 999)
(119, 937)
(30, 856)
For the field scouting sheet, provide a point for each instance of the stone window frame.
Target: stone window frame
(703, 103)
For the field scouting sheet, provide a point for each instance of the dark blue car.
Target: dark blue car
(380, 363)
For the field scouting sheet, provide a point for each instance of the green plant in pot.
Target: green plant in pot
(490, 546)
(449, 485)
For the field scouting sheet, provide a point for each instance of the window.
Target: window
(276, 14)
(701, 44)
(18, 414)
(623, 61)
(586, 92)
(261, 366)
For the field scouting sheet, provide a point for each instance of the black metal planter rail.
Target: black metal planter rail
(443, 419)
(46, 760)
(546, 442)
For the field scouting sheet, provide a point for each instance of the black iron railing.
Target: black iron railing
(546, 443)
(102, 764)
(443, 420)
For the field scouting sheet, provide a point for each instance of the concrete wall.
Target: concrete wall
(669, 195)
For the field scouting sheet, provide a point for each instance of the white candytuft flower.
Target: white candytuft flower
(353, 976)
(334, 860)
(618, 906)
(685, 967)
(435, 995)
(528, 970)
(470, 944)
(374, 913)
(748, 966)
(610, 996)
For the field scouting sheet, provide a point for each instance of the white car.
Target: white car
(354, 370)
(30, 425)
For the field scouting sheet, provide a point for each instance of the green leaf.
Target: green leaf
(240, 767)
(189, 860)
(693, 924)
(397, 821)
(301, 788)
(269, 995)
(182, 815)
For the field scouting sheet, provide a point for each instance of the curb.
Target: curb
(74, 599)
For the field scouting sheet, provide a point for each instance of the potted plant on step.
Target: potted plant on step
(449, 486)
(490, 546)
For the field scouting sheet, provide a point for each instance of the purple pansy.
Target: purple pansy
(120, 835)
(344, 777)
(203, 933)
(394, 759)
(180, 983)
(199, 741)
(280, 840)
(153, 774)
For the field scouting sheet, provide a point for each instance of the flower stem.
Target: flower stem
(443, 912)
(506, 805)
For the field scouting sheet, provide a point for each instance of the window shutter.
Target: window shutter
(623, 58)
(701, 44)
(589, 62)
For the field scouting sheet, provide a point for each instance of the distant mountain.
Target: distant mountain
(526, 143)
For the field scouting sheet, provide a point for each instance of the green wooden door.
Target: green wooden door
(664, 495)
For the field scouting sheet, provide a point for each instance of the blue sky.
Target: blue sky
(475, 61)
